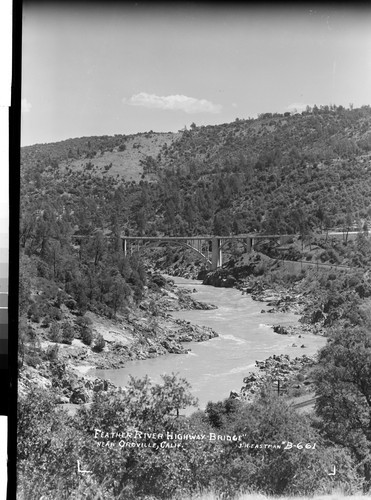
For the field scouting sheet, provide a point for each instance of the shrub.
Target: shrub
(55, 334)
(32, 358)
(87, 335)
(83, 321)
(154, 287)
(55, 313)
(68, 333)
(34, 313)
(45, 322)
(52, 352)
(99, 343)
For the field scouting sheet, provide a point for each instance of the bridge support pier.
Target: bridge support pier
(248, 244)
(216, 259)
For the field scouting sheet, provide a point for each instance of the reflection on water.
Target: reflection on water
(217, 366)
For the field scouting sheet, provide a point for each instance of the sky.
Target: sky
(105, 68)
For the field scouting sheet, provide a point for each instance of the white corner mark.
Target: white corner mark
(82, 471)
(332, 473)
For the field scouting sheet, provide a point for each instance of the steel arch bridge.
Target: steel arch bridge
(201, 244)
(208, 247)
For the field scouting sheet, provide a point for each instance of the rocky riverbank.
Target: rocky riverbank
(251, 274)
(280, 373)
(145, 332)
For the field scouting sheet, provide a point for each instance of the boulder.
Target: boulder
(250, 378)
(159, 280)
(100, 385)
(79, 395)
(185, 338)
(173, 347)
(281, 330)
(229, 281)
(62, 399)
(71, 303)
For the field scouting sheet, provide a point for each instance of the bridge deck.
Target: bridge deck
(207, 237)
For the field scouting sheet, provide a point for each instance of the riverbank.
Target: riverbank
(289, 376)
(150, 331)
(265, 280)
(145, 332)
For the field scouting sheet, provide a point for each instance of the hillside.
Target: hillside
(122, 157)
(126, 162)
(276, 174)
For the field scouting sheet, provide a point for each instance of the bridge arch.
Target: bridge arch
(173, 241)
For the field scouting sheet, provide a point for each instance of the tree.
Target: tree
(300, 219)
(173, 395)
(348, 222)
(327, 223)
(269, 419)
(136, 473)
(27, 273)
(55, 333)
(189, 215)
(48, 449)
(68, 333)
(97, 247)
(321, 215)
(169, 215)
(78, 288)
(141, 220)
(343, 387)
(119, 291)
(27, 227)
(86, 335)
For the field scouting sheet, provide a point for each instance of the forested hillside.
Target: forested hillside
(275, 174)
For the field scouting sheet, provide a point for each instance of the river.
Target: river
(217, 366)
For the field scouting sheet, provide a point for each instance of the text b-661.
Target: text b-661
(299, 446)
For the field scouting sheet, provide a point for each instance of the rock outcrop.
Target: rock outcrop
(273, 369)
